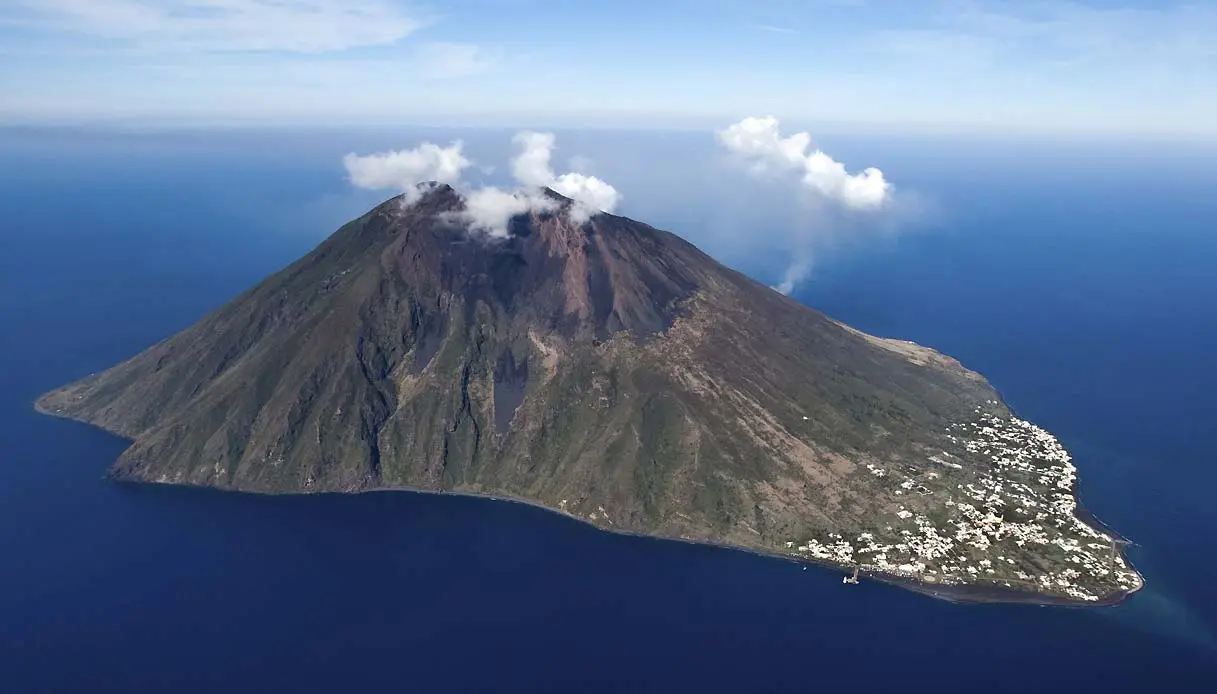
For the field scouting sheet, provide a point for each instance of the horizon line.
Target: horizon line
(657, 123)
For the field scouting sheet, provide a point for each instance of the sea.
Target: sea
(1079, 275)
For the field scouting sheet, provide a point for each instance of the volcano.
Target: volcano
(610, 371)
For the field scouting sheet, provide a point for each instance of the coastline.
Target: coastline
(953, 593)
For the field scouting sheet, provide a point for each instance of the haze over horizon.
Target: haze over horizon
(1117, 68)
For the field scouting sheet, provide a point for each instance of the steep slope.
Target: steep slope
(611, 371)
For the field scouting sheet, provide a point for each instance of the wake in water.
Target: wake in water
(1155, 611)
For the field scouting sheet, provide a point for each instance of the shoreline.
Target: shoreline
(960, 594)
(972, 594)
(954, 593)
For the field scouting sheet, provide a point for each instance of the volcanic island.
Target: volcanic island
(604, 369)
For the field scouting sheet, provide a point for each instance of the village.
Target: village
(1010, 522)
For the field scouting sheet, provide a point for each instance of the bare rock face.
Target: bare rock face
(608, 370)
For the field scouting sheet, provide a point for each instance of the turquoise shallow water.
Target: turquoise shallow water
(1088, 300)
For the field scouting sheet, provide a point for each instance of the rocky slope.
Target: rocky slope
(611, 371)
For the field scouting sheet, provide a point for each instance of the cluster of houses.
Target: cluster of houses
(1011, 508)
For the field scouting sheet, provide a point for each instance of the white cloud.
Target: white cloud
(759, 140)
(531, 167)
(488, 208)
(592, 194)
(866, 190)
(301, 26)
(404, 169)
(491, 209)
(835, 209)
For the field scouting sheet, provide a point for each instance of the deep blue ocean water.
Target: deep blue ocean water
(1080, 282)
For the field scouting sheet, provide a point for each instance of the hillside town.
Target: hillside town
(1007, 518)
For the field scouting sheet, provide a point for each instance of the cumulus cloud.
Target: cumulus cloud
(487, 208)
(491, 209)
(759, 141)
(405, 169)
(840, 203)
(531, 167)
(592, 194)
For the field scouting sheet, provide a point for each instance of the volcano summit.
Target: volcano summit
(611, 371)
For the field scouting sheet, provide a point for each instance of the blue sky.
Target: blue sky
(1122, 67)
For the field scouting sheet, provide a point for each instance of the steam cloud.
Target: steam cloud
(795, 273)
(487, 208)
(759, 140)
(531, 167)
(405, 169)
(491, 209)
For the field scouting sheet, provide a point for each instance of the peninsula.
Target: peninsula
(611, 371)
